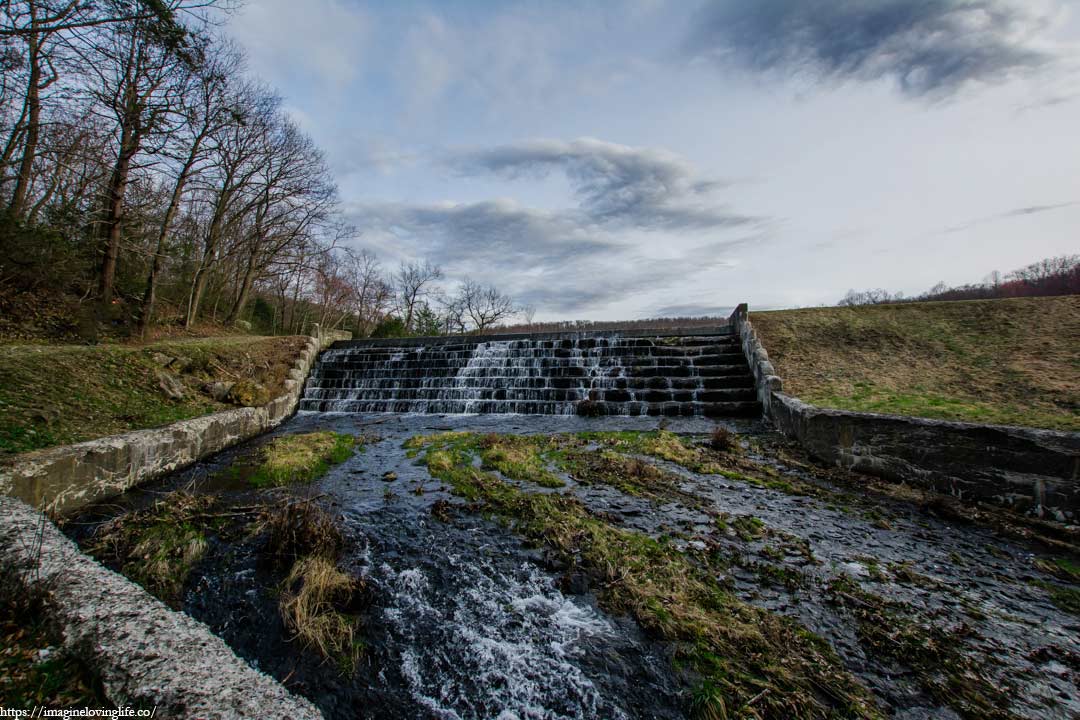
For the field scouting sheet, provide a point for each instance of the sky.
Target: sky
(620, 160)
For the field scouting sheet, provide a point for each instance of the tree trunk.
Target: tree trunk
(245, 291)
(146, 313)
(114, 211)
(33, 114)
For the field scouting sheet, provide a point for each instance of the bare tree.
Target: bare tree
(204, 105)
(372, 294)
(484, 305)
(413, 283)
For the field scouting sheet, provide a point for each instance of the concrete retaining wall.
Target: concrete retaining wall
(1030, 470)
(143, 652)
(63, 479)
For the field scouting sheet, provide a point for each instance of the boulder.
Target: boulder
(218, 390)
(248, 393)
(171, 385)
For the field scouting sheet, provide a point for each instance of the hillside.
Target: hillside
(60, 394)
(1013, 361)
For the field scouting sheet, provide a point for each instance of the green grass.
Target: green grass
(301, 458)
(748, 662)
(61, 394)
(1013, 361)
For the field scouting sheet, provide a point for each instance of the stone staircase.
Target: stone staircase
(692, 373)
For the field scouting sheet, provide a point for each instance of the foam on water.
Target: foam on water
(496, 645)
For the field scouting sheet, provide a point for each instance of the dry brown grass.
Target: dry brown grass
(1013, 361)
(313, 602)
(297, 528)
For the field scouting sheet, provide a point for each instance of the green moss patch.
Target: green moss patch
(301, 458)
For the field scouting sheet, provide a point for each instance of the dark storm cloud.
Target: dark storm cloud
(930, 47)
(615, 184)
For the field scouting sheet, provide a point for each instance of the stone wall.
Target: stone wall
(64, 479)
(143, 652)
(1030, 470)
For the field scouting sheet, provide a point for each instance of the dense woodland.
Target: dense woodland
(146, 180)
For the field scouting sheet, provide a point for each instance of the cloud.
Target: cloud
(316, 42)
(615, 184)
(1016, 212)
(569, 259)
(694, 310)
(929, 47)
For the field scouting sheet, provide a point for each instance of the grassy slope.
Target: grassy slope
(1014, 361)
(59, 394)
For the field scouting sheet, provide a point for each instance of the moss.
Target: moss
(301, 458)
(1062, 568)
(748, 527)
(1066, 599)
(628, 475)
(699, 456)
(751, 661)
(518, 458)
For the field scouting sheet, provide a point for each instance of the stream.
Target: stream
(462, 619)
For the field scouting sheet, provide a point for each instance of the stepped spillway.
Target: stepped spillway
(619, 375)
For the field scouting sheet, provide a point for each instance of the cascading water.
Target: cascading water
(674, 375)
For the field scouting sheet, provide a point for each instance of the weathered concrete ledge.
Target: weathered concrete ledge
(63, 479)
(1026, 469)
(142, 651)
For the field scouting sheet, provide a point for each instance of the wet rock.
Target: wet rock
(171, 385)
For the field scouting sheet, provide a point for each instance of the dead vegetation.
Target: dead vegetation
(158, 546)
(319, 603)
(1011, 361)
(316, 601)
(298, 528)
(895, 631)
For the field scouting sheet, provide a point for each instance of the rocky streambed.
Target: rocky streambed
(560, 567)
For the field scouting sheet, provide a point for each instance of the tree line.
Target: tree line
(145, 178)
(1050, 276)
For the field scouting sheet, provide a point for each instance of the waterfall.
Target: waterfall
(660, 375)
